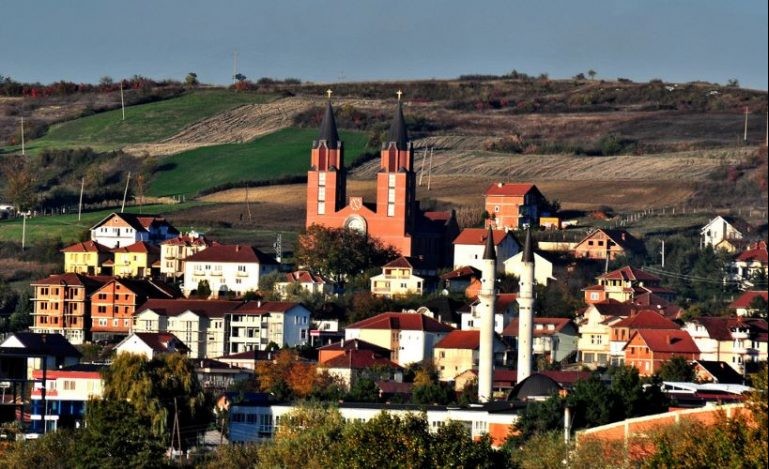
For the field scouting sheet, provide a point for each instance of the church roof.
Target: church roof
(328, 132)
(397, 133)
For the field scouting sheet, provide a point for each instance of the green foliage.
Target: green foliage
(271, 157)
(363, 390)
(115, 436)
(204, 290)
(191, 79)
(677, 369)
(149, 122)
(433, 393)
(539, 417)
(155, 388)
(340, 252)
(55, 450)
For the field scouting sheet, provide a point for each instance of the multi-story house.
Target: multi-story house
(724, 232)
(86, 258)
(402, 276)
(304, 281)
(227, 269)
(62, 305)
(353, 364)
(648, 349)
(174, 252)
(113, 305)
(410, 337)
(123, 229)
(603, 243)
(624, 285)
(136, 260)
(200, 324)
(471, 242)
(68, 391)
(513, 206)
(747, 304)
(543, 268)
(458, 352)
(750, 265)
(595, 331)
(505, 309)
(622, 331)
(151, 344)
(738, 341)
(554, 339)
(256, 324)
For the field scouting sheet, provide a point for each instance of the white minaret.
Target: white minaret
(487, 295)
(526, 310)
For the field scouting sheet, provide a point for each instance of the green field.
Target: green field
(283, 153)
(68, 228)
(144, 123)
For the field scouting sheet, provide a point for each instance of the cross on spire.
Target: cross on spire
(399, 93)
(328, 93)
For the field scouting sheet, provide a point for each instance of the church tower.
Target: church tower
(487, 295)
(396, 184)
(326, 179)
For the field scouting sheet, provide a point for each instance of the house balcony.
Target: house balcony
(740, 350)
(740, 334)
(216, 273)
(242, 274)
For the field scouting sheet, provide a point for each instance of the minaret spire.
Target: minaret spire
(526, 310)
(487, 296)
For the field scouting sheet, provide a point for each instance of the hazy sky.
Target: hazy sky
(333, 40)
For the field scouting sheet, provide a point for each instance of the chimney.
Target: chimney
(500, 184)
(237, 248)
(670, 339)
(341, 343)
(259, 303)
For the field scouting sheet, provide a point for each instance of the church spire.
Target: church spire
(328, 132)
(397, 133)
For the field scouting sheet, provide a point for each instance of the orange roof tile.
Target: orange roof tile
(647, 319)
(86, 246)
(469, 340)
(508, 189)
(743, 301)
(231, 253)
(666, 340)
(403, 322)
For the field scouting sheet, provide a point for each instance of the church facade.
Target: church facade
(395, 218)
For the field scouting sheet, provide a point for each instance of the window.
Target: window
(594, 295)
(69, 385)
(496, 209)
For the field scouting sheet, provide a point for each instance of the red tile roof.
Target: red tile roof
(86, 246)
(90, 282)
(265, 307)
(175, 307)
(504, 300)
(755, 253)
(137, 222)
(139, 247)
(187, 240)
(719, 328)
(232, 253)
(477, 236)
(743, 301)
(502, 188)
(356, 344)
(405, 262)
(629, 273)
(438, 216)
(468, 340)
(511, 330)
(162, 342)
(666, 340)
(359, 359)
(304, 276)
(647, 319)
(403, 322)
(462, 272)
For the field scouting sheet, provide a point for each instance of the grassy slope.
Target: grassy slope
(149, 122)
(282, 153)
(68, 228)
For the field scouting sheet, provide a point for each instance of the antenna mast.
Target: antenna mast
(122, 100)
(23, 152)
(234, 65)
(745, 134)
(80, 204)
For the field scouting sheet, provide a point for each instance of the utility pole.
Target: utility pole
(44, 412)
(745, 133)
(430, 169)
(122, 100)
(80, 205)
(234, 65)
(422, 171)
(248, 205)
(125, 193)
(23, 229)
(663, 253)
(278, 247)
(23, 152)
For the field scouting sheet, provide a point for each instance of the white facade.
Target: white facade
(250, 331)
(133, 344)
(472, 254)
(392, 285)
(470, 321)
(118, 236)
(237, 277)
(717, 230)
(543, 268)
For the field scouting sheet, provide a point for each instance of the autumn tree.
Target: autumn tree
(19, 176)
(340, 252)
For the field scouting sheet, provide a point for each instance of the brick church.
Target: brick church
(396, 218)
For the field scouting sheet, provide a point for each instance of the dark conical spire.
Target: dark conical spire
(490, 253)
(328, 130)
(397, 132)
(528, 251)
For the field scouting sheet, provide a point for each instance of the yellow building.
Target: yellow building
(86, 258)
(136, 260)
(398, 278)
(595, 323)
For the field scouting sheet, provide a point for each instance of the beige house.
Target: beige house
(305, 281)
(594, 344)
(85, 258)
(398, 278)
(735, 340)
(174, 251)
(458, 351)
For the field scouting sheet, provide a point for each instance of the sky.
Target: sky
(328, 41)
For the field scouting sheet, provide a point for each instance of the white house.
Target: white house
(720, 229)
(227, 268)
(410, 337)
(306, 281)
(505, 309)
(543, 268)
(150, 344)
(398, 278)
(471, 242)
(255, 324)
(68, 391)
(199, 324)
(123, 229)
(750, 264)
